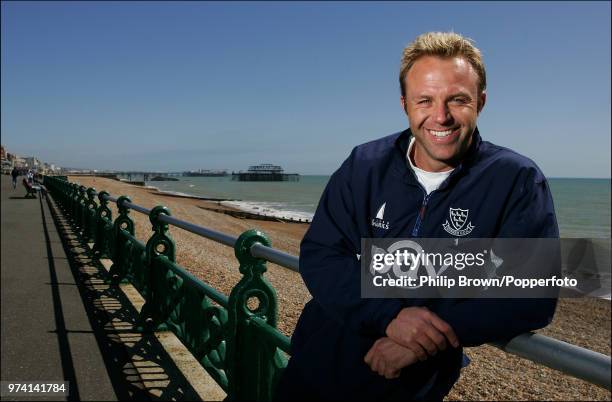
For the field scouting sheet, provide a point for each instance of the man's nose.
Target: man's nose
(442, 114)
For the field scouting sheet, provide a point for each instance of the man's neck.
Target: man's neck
(435, 167)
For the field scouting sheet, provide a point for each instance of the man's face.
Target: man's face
(442, 103)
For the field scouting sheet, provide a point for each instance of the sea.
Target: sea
(582, 205)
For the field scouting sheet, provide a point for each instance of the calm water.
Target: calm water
(582, 205)
(289, 199)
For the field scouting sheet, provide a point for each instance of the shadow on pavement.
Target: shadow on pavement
(136, 363)
(62, 336)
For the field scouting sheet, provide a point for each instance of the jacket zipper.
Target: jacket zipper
(421, 215)
(423, 209)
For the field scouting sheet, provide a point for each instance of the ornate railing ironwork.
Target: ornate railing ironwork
(221, 332)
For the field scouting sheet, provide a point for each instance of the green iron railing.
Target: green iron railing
(220, 331)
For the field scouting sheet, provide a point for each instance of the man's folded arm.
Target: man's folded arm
(530, 214)
(329, 264)
(479, 321)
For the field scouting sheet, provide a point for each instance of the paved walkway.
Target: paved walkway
(46, 332)
(63, 321)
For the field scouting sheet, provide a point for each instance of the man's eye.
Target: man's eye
(460, 100)
(423, 102)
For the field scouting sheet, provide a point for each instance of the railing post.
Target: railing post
(104, 227)
(159, 301)
(89, 211)
(81, 208)
(74, 199)
(63, 190)
(253, 366)
(118, 270)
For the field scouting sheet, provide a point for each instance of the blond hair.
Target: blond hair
(442, 44)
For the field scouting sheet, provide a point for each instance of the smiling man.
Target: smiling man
(437, 179)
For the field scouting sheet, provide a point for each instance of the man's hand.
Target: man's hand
(387, 358)
(421, 331)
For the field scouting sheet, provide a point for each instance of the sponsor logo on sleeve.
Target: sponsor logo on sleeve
(379, 221)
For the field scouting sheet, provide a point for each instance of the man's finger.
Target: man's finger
(379, 365)
(376, 361)
(372, 352)
(371, 362)
(391, 374)
(444, 328)
(427, 344)
(382, 368)
(419, 335)
(368, 356)
(435, 336)
(418, 350)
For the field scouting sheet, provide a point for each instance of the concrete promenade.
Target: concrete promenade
(62, 321)
(46, 333)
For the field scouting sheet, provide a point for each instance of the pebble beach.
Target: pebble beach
(492, 374)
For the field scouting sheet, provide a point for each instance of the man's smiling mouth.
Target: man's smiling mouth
(440, 134)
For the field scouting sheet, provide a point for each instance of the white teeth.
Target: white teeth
(441, 133)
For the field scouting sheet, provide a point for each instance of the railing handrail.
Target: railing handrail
(257, 250)
(574, 360)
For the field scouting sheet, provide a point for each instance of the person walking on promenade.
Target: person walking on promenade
(14, 175)
(408, 184)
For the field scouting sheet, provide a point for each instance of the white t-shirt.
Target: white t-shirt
(429, 180)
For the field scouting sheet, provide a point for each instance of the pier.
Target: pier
(265, 172)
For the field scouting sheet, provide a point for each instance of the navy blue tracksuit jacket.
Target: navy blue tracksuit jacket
(505, 194)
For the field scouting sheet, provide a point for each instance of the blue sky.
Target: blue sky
(187, 85)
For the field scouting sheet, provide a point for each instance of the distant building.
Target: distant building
(19, 162)
(10, 160)
(33, 163)
(7, 166)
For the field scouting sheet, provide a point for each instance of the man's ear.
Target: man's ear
(482, 99)
(403, 103)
